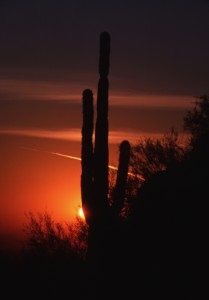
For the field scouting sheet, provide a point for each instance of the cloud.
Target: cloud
(49, 107)
(71, 90)
(21, 89)
(70, 134)
(74, 134)
(58, 118)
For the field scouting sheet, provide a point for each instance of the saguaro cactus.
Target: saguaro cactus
(94, 177)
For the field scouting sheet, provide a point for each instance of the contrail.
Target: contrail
(64, 155)
(54, 153)
(76, 158)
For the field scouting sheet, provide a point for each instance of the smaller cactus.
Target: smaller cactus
(120, 187)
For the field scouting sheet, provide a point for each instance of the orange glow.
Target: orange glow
(81, 214)
(50, 90)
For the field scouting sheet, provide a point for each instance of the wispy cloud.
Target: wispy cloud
(72, 91)
(115, 137)
(151, 100)
(40, 90)
(70, 134)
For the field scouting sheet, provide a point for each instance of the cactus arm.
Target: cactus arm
(120, 187)
(87, 155)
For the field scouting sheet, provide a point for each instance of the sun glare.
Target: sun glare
(81, 214)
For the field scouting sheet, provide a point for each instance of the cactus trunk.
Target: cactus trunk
(101, 133)
(94, 178)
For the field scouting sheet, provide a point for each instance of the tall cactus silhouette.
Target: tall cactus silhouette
(94, 176)
(101, 154)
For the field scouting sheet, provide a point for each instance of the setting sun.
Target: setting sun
(81, 214)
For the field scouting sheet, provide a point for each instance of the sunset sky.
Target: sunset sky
(49, 54)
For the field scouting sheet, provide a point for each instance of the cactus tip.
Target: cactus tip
(87, 93)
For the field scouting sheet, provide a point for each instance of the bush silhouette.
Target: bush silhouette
(169, 215)
(47, 237)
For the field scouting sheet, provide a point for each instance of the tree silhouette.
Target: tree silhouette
(196, 122)
(150, 155)
(46, 237)
(169, 215)
(51, 262)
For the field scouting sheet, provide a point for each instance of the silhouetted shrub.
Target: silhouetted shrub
(152, 155)
(196, 121)
(46, 236)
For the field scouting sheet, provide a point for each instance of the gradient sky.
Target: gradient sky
(49, 54)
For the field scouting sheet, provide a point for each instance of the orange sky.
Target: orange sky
(48, 118)
(49, 54)
(39, 180)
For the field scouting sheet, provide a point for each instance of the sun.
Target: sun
(81, 214)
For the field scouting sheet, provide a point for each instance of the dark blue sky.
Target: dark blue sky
(158, 47)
